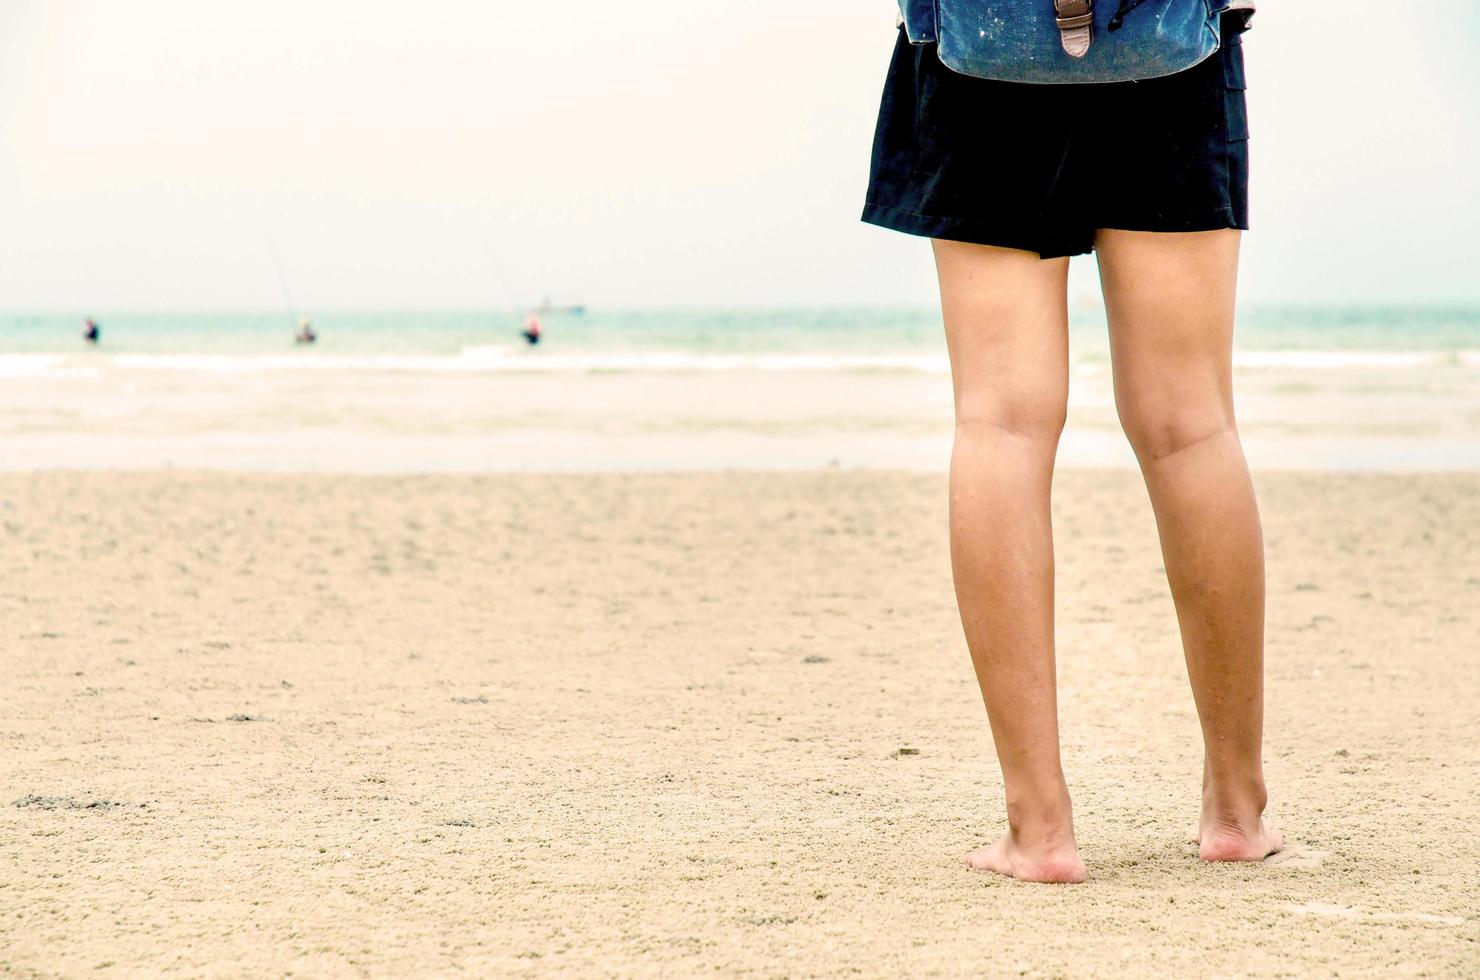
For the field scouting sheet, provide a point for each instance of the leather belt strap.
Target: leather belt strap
(1076, 25)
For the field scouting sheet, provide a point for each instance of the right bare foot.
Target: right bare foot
(1226, 841)
(1058, 864)
(1232, 827)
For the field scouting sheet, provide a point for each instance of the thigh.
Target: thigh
(1170, 301)
(1006, 319)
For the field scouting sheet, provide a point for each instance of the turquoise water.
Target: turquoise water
(1318, 388)
(633, 340)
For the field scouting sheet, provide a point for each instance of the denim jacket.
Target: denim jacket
(1021, 40)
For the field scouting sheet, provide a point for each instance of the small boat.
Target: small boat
(548, 306)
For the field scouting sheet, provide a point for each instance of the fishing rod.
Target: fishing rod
(277, 264)
(305, 334)
(502, 279)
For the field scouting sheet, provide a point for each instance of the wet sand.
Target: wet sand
(304, 416)
(716, 723)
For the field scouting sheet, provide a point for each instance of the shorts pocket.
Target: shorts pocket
(1235, 107)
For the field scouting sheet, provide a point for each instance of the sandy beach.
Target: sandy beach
(436, 415)
(473, 492)
(697, 723)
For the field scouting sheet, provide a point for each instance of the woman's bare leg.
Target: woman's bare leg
(1007, 332)
(1170, 300)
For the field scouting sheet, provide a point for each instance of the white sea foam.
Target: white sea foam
(473, 360)
(1335, 359)
(507, 359)
(46, 366)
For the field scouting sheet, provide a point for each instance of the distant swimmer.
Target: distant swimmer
(305, 333)
(532, 329)
(91, 332)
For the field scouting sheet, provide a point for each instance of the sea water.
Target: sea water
(841, 338)
(1317, 387)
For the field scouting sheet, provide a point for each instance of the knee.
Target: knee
(1157, 430)
(1035, 418)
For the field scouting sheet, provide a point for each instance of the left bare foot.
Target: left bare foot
(1056, 864)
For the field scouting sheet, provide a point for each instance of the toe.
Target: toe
(990, 859)
(979, 859)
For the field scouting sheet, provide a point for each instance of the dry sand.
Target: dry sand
(684, 724)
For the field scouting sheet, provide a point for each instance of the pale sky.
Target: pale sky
(444, 154)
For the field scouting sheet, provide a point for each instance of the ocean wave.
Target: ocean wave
(470, 360)
(45, 366)
(1336, 359)
(509, 359)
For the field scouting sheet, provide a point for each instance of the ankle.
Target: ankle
(1234, 803)
(1042, 823)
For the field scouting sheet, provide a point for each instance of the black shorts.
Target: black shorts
(1041, 167)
